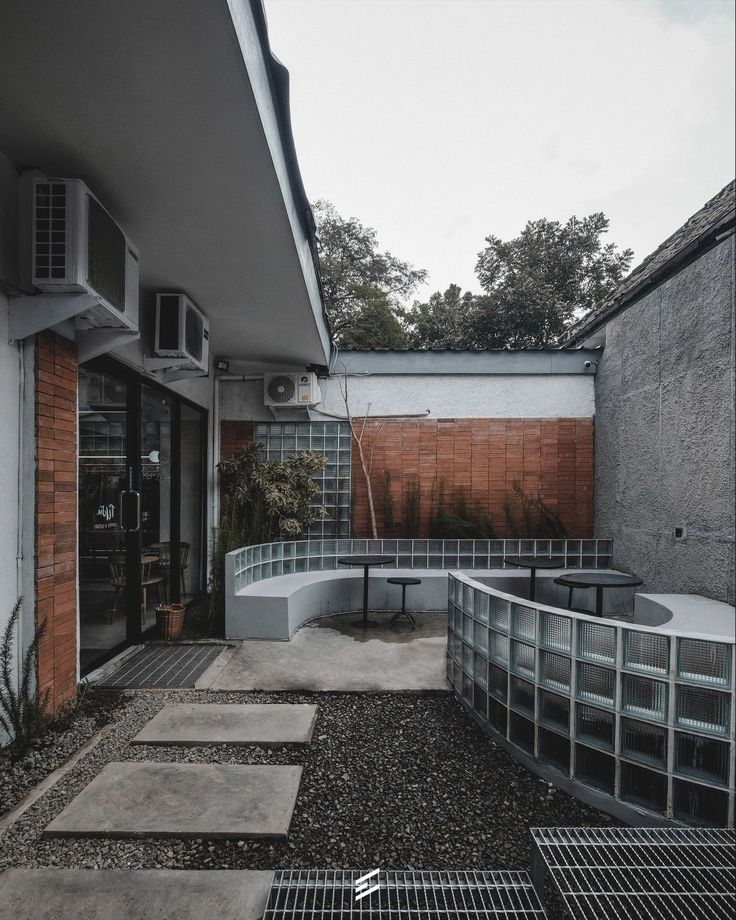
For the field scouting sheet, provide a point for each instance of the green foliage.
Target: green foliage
(374, 325)
(459, 520)
(21, 709)
(262, 501)
(535, 286)
(442, 322)
(412, 508)
(362, 286)
(527, 516)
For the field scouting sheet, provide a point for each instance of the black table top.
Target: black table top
(536, 562)
(365, 560)
(599, 580)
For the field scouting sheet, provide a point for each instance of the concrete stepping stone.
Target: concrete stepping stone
(111, 894)
(195, 724)
(182, 800)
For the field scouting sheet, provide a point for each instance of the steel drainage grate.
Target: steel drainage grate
(163, 666)
(329, 894)
(662, 873)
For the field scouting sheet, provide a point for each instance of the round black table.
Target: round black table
(534, 563)
(599, 581)
(366, 562)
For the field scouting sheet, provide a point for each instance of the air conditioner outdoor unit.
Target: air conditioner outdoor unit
(182, 333)
(286, 390)
(79, 249)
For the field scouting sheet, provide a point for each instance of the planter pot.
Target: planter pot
(170, 621)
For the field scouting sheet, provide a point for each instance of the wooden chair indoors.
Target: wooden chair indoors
(148, 580)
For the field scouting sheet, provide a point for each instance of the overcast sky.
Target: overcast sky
(439, 122)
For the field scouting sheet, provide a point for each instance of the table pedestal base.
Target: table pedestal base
(362, 624)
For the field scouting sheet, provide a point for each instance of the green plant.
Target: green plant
(22, 710)
(262, 501)
(528, 516)
(412, 508)
(461, 520)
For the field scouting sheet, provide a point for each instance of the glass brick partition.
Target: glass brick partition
(333, 441)
(269, 560)
(644, 715)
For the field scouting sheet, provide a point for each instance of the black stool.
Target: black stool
(403, 612)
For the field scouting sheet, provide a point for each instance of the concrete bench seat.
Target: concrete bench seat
(691, 614)
(275, 608)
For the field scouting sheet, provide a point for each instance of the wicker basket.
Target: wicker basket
(170, 620)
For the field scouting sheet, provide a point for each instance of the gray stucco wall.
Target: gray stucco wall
(664, 453)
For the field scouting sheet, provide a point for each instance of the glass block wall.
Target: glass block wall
(332, 439)
(254, 563)
(644, 716)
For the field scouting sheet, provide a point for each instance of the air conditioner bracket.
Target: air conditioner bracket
(34, 313)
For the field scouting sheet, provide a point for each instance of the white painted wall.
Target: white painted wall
(446, 396)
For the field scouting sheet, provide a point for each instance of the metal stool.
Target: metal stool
(403, 612)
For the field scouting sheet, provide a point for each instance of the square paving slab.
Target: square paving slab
(195, 724)
(109, 894)
(182, 800)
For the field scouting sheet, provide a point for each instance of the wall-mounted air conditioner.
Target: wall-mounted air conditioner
(182, 333)
(286, 390)
(77, 248)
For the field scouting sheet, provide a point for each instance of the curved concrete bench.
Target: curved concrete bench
(276, 607)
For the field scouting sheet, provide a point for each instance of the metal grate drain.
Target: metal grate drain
(329, 894)
(163, 666)
(662, 873)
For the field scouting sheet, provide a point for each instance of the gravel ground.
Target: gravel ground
(396, 780)
(54, 748)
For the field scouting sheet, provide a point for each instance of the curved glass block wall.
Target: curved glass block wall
(269, 560)
(643, 715)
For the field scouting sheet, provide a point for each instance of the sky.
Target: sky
(439, 122)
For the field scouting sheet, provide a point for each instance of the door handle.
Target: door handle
(130, 510)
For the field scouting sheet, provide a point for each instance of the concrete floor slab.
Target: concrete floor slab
(108, 894)
(332, 654)
(182, 800)
(197, 724)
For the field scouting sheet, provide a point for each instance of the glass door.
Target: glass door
(157, 488)
(103, 476)
(142, 453)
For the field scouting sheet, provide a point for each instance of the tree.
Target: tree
(357, 277)
(374, 325)
(534, 287)
(539, 283)
(442, 322)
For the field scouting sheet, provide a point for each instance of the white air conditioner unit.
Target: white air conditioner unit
(182, 334)
(79, 249)
(286, 390)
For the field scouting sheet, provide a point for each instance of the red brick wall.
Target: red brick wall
(234, 436)
(552, 458)
(484, 457)
(56, 516)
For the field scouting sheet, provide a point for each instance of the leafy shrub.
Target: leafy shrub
(22, 710)
(262, 501)
(460, 520)
(527, 516)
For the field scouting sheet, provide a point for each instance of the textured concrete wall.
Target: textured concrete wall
(664, 451)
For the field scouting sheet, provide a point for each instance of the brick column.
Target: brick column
(56, 517)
